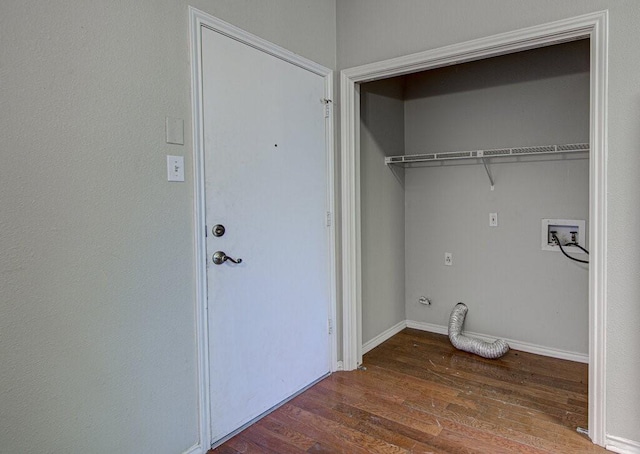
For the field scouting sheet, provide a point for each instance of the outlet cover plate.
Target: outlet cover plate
(563, 227)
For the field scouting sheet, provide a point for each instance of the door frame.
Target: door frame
(593, 26)
(197, 20)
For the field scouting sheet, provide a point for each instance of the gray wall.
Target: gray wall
(97, 330)
(374, 30)
(382, 207)
(96, 274)
(512, 288)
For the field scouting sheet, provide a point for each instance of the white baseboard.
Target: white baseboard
(195, 449)
(430, 327)
(380, 338)
(513, 344)
(622, 445)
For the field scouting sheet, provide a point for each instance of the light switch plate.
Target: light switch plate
(175, 168)
(174, 130)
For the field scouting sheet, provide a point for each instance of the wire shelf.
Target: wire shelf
(479, 154)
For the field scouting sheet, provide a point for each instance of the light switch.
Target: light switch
(175, 168)
(174, 129)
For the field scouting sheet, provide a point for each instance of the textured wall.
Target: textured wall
(373, 30)
(97, 325)
(512, 288)
(382, 206)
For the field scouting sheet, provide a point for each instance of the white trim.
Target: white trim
(504, 43)
(513, 344)
(195, 449)
(350, 220)
(598, 228)
(622, 445)
(380, 338)
(331, 208)
(233, 32)
(197, 20)
(430, 327)
(593, 26)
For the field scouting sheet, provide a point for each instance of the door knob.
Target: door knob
(220, 257)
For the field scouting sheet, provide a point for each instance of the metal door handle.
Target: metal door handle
(220, 257)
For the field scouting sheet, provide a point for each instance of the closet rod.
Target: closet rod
(407, 160)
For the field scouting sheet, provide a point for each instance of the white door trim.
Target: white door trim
(593, 26)
(197, 20)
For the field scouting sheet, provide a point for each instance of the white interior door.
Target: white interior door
(266, 180)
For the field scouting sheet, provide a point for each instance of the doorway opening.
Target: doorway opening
(425, 196)
(591, 28)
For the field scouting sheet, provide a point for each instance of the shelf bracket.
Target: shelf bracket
(486, 167)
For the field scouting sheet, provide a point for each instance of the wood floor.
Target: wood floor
(420, 395)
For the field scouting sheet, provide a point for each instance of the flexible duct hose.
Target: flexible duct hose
(490, 350)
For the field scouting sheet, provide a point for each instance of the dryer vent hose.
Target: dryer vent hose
(490, 350)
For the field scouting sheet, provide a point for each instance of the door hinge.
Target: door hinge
(329, 219)
(327, 107)
(330, 326)
(206, 233)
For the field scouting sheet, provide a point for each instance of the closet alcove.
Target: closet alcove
(411, 216)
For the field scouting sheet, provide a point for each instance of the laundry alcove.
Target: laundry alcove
(412, 215)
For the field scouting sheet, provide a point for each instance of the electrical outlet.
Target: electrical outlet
(448, 258)
(493, 219)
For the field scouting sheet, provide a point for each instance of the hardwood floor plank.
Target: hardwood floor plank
(323, 433)
(371, 444)
(430, 422)
(553, 436)
(224, 449)
(364, 404)
(467, 364)
(271, 440)
(520, 365)
(394, 411)
(287, 435)
(467, 443)
(399, 435)
(474, 420)
(420, 395)
(383, 383)
(244, 445)
(530, 416)
(501, 391)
